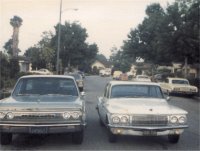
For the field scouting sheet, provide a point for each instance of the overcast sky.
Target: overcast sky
(107, 21)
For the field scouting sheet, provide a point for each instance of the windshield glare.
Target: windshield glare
(133, 91)
(45, 86)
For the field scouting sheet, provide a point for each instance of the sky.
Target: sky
(108, 22)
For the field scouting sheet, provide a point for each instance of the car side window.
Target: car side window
(108, 91)
(105, 92)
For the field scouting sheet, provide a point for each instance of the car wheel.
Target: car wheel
(112, 137)
(173, 138)
(6, 138)
(77, 137)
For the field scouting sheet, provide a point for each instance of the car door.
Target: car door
(103, 101)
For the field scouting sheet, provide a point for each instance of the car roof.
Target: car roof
(171, 78)
(47, 76)
(133, 82)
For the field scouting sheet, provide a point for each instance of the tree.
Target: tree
(120, 60)
(8, 47)
(16, 22)
(43, 54)
(101, 58)
(89, 57)
(4, 68)
(14, 67)
(47, 54)
(73, 46)
(34, 54)
(167, 36)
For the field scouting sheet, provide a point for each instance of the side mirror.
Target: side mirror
(82, 94)
(168, 98)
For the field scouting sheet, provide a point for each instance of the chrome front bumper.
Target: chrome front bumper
(41, 128)
(146, 131)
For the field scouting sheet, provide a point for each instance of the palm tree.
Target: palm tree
(16, 22)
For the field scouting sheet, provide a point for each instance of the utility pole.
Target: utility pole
(58, 49)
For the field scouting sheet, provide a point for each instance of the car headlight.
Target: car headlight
(2, 115)
(173, 119)
(182, 120)
(66, 115)
(116, 120)
(124, 120)
(10, 115)
(75, 115)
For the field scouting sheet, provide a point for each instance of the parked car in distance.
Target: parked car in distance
(43, 104)
(82, 74)
(78, 78)
(157, 78)
(116, 75)
(42, 71)
(142, 78)
(123, 77)
(178, 86)
(105, 72)
(140, 109)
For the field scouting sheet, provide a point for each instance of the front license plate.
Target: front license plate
(38, 130)
(149, 133)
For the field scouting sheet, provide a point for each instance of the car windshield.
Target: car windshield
(143, 77)
(180, 82)
(134, 91)
(45, 86)
(76, 76)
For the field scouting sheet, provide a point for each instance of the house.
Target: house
(24, 64)
(191, 71)
(98, 65)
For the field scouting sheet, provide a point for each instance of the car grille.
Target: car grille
(149, 120)
(38, 116)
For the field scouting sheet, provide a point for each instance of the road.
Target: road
(96, 136)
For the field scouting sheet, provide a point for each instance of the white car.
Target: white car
(140, 109)
(178, 86)
(42, 71)
(143, 78)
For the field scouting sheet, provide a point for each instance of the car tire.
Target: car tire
(77, 137)
(112, 137)
(173, 138)
(6, 138)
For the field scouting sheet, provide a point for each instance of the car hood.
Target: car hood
(40, 102)
(142, 106)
